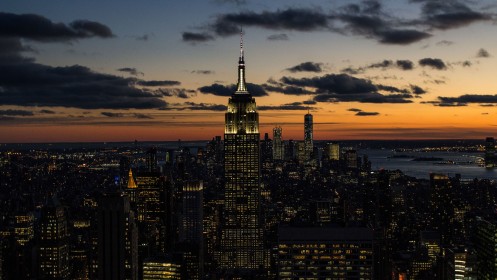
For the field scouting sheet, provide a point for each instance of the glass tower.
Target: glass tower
(242, 234)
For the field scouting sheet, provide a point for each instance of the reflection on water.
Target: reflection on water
(450, 163)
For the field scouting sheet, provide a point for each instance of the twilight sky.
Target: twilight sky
(120, 70)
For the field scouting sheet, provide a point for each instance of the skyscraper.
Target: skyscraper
(490, 157)
(308, 135)
(54, 247)
(117, 238)
(191, 229)
(278, 147)
(242, 234)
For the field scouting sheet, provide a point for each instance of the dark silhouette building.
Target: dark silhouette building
(117, 238)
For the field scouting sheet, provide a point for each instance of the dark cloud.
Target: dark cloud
(39, 28)
(365, 114)
(340, 84)
(164, 83)
(306, 67)
(352, 71)
(191, 37)
(402, 37)
(444, 104)
(392, 89)
(309, 102)
(405, 64)
(178, 92)
(289, 19)
(354, 110)
(449, 14)
(204, 107)
(203, 72)
(142, 116)
(287, 107)
(222, 90)
(278, 37)
(27, 83)
(417, 90)
(470, 98)
(483, 53)
(44, 111)
(11, 112)
(435, 63)
(286, 89)
(112, 115)
(130, 70)
(345, 88)
(384, 64)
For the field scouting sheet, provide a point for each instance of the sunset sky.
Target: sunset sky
(155, 70)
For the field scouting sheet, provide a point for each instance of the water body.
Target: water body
(450, 163)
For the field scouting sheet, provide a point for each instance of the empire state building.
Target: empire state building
(242, 249)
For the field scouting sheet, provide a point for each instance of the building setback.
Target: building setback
(325, 253)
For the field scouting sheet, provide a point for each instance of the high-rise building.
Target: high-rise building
(308, 135)
(442, 207)
(152, 199)
(161, 268)
(54, 247)
(278, 145)
(325, 253)
(486, 248)
(242, 247)
(191, 229)
(490, 157)
(117, 238)
(332, 151)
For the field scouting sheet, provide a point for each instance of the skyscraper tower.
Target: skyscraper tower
(54, 247)
(117, 238)
(242, 234)
(278, 147)
(308, 135)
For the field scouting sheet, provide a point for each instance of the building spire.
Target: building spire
(241, 87)
(241, 45)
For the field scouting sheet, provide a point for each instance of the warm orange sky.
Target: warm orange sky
(365, 70)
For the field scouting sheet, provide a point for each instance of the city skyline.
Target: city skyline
(119, 71)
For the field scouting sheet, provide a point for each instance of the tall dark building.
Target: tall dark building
(278, 145)
(191, 229)
(490, 157)
(54, 247)
(117, 238)
(242, 234)
(308, 135)
(486, 248)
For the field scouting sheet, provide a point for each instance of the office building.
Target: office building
(242, 234)
(161, 268)
(490, 157)
(278, 145)
(325, 253)
(191, 229)
(54, 247)
(486, 248)
(117, 238)
(308, 135)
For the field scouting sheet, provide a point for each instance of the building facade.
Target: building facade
(308, 135)
(242, 247)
